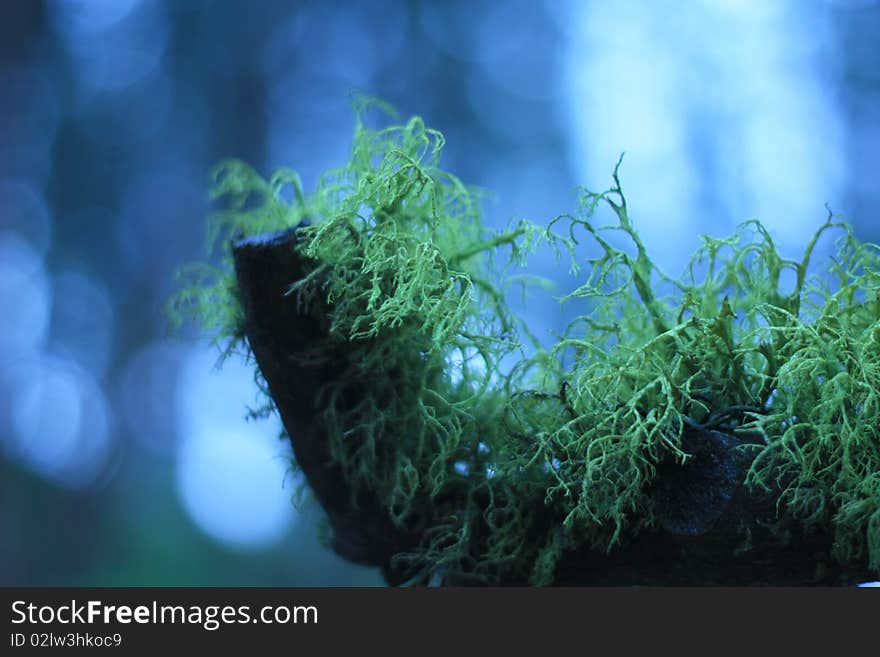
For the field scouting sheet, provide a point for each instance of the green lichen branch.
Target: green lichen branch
(503, 456)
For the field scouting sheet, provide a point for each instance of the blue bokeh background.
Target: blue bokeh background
(125, 456)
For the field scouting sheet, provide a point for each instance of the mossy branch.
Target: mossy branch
(501, 468)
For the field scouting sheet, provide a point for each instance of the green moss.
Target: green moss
(501, 468)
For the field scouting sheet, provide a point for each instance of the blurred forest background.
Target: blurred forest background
(125, 458)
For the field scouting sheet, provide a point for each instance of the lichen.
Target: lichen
(504, 455)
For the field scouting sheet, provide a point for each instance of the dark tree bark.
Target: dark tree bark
(711, 529)
(279, 331)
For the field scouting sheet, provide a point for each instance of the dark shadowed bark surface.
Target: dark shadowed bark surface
(279, 332)
(710, 530)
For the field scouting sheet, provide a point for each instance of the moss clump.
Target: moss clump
(494, 450)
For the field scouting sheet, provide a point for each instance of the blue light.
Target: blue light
(723, 111)
(230, 473)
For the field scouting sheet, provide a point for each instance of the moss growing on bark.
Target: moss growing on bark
(501, 468)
